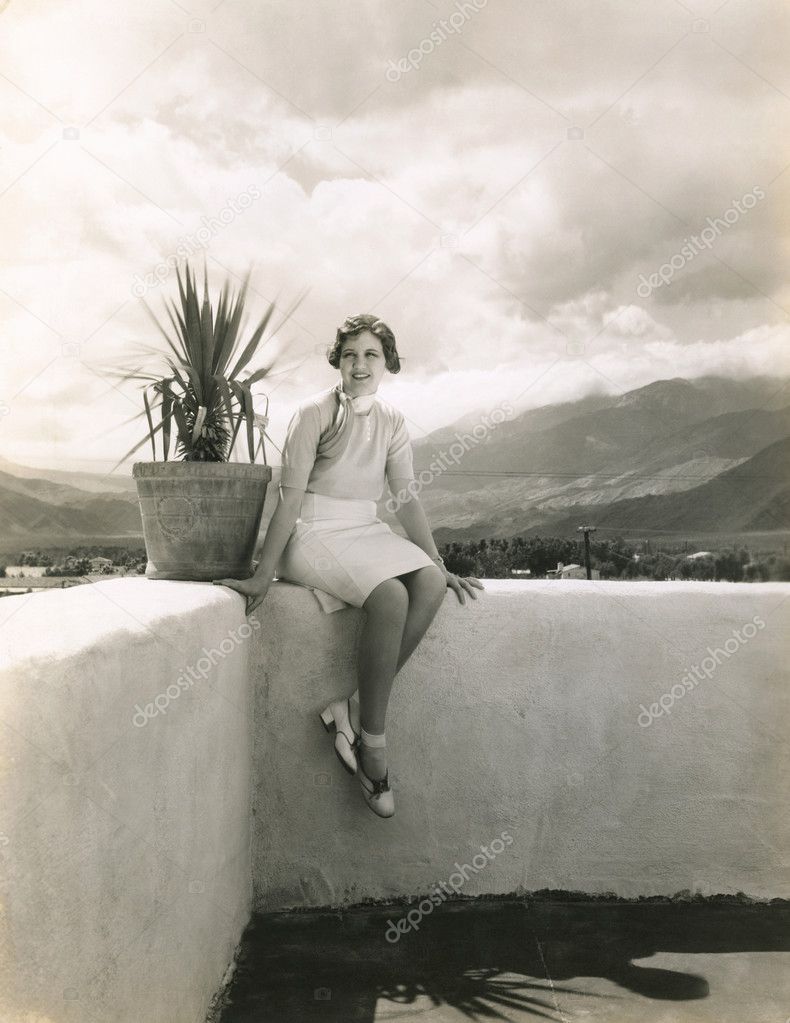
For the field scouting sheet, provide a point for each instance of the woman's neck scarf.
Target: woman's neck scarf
(337, 433)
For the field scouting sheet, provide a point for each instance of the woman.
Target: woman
(325, 535)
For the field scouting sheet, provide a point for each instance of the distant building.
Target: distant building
(572, 571)
(28, 584)
(699, 554)
(101, 565)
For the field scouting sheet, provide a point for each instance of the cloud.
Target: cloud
(497, 204)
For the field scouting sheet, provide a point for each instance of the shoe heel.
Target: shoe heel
(345, 747)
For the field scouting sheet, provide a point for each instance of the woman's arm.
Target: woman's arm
(279, 532)
(399, 470)
(277, 535)
(411, 515)
(409, 511)
(298, 457)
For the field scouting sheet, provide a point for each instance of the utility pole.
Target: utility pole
(587, 530)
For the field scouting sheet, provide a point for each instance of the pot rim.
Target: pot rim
(205, 470)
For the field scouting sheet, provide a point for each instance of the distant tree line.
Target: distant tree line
(34, 558)
(77, 560)
(496, 558)
(613, 558)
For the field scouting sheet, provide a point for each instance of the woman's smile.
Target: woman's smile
(365, 351)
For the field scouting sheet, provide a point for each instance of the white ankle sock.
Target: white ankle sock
(372, 739)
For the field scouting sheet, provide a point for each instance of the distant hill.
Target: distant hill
(667, 437)
(752, 497)
(707, 454)
(93, 482)
(34, 508)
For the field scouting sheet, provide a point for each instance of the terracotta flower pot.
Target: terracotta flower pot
(200, 519)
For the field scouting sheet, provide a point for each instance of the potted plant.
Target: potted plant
(201, 512)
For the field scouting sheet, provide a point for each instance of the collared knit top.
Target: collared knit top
(344, 446)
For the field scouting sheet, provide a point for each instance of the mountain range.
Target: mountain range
(550, 469)
(709, 454)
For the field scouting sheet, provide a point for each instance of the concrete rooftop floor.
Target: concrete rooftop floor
(711, 960)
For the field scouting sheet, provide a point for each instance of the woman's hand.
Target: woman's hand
(461, 584)
(254, 589)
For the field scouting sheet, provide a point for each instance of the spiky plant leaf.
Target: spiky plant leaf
(203, 394)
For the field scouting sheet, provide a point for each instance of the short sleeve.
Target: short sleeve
(300, 447)
(400, 462)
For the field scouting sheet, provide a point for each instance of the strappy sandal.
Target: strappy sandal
(377, 793)
(338, 713)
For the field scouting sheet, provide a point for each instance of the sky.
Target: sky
(543, 199)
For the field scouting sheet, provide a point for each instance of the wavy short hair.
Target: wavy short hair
(357, 325)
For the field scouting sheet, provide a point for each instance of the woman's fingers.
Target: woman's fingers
(232, 584)
(241, 586)
(455, 583)
(461, 586)
(246, 588)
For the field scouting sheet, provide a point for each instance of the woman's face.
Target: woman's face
(362, 364)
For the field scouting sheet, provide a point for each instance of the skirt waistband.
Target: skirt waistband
(322, 506)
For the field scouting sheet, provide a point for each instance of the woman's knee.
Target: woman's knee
(389, 598)
(430, 584)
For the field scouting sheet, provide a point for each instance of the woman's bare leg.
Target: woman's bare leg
(426, 588)
(386, 609)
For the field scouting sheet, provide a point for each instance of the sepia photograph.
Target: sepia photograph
(394, 511)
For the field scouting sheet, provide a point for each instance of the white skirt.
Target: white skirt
(341, 550)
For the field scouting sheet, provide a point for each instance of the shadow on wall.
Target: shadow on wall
(487, 959)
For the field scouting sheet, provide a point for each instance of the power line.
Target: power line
(596, 475)
(690, 533)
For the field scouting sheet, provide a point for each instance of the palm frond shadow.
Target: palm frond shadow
(482, 994)
(493, 960)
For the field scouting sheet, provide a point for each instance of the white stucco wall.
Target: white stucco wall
(124, 848)
(132, 853)
(519, 713)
